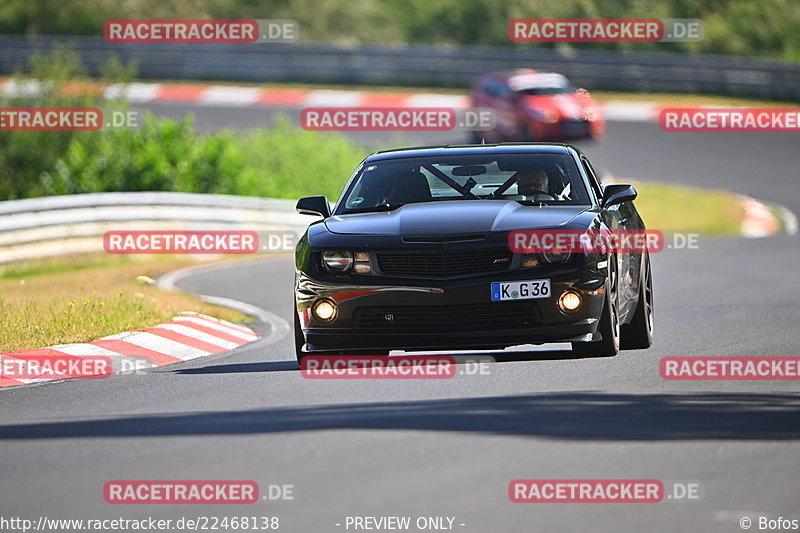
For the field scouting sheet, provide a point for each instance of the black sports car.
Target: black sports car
(416, 256)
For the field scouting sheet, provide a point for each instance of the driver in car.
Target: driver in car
(534, 185)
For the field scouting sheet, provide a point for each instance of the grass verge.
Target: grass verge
(681, 100)
(682, 208)
(687, 100)
(79, 299)
(777, 213)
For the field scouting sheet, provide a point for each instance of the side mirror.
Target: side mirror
(314, 205)
(617, 194)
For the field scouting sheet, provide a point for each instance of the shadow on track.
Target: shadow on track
(460, 358)
(587, 415)
(237, 368)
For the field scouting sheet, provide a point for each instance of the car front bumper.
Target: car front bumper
(568, 129)
(380, 313)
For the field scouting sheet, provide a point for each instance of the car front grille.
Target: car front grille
(444, 263)
(449, 318)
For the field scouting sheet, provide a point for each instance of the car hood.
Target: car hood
(459, 217)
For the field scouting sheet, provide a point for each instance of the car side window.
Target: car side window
(490, 89)
(496, 89)
(593, 181)
(504, 91)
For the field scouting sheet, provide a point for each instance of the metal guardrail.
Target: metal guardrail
(61, 225)
(425, 65)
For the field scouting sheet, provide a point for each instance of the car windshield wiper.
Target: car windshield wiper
(376, 208)
(535, 202)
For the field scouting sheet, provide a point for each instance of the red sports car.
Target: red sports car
(535, 106)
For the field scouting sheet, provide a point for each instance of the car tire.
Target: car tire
(638, 335)
(609, 329)
(299, 339)
(525, 133)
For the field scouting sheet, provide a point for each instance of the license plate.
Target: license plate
(520, 290)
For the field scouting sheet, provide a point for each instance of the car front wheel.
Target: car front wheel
(609, 328)
(299, 339)
(638, 335)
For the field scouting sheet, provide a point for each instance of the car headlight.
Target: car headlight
(555, 258)
(549, 116)
(337, 262)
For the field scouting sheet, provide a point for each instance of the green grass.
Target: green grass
(288, 162)
(681, 208)
(778, 214)
(73, 263)
(687, 100)
(82, 298)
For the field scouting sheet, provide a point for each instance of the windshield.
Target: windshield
(540, 84)
(531, 179)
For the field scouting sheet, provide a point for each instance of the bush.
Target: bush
(25, 154)
(162, 154)
(55, 80)
(167, 155)
(287, 162)
(738, 27)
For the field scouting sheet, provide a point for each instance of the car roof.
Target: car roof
(473, 149)
(520, 75)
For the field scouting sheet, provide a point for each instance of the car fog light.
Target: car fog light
(529, 261)
(324, 310)
(570, 301)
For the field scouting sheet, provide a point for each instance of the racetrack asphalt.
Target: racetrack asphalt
(450, 447)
